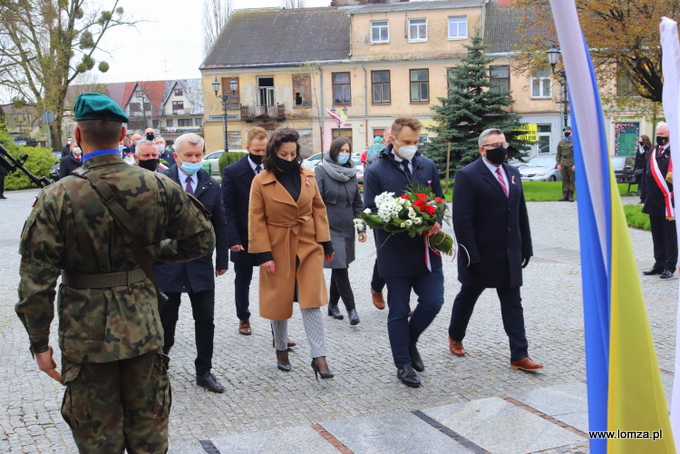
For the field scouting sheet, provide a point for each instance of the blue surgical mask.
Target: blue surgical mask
(120, 148)
(191, 168)
(343, 158)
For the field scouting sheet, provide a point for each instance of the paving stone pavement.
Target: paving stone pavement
(263, 403)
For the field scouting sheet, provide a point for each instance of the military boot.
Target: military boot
(570, 195)
(565, 197)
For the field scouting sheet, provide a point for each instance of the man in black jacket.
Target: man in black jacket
(70, 162)
(197, 277)
(3, 173)
(401, 259)
(492, 228)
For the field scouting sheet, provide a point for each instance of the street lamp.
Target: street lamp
(553, 58)
(233, 85)
(139, 93)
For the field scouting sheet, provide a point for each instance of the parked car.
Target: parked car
(312, 161)
(540, 168)
(315, 159)
(214, 159)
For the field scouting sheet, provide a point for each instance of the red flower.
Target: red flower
(430, 209)
(421, 195)
(419, 204)
(438, 200)
(404, 196)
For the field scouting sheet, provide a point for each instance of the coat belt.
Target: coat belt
(293, 227)
(103, 280)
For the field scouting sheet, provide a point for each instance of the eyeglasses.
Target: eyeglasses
(491, 146)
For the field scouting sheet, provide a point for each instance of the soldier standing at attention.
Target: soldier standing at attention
(565, 164)
(110, 333)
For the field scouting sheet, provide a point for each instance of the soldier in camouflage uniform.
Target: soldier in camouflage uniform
(565, 164)
(110, 335)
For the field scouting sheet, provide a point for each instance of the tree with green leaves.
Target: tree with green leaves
(473, 104)
(46, 44)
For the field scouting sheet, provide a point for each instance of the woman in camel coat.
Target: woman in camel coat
(288, 230)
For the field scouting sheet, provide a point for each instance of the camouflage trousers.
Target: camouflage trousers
(118, 405)
(568, 179)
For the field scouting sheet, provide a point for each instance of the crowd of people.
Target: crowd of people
(118, 313)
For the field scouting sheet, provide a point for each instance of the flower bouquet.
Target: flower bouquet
(414, 212)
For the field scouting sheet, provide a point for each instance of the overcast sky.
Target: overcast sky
(169, 45)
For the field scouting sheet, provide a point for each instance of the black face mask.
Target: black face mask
(256, 158)
(642, 144)
(286, 166)
(661, 141)
(149, 164)
(497, 155)
(150, 136)
(567, 134)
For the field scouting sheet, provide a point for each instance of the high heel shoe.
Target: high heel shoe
(282, 360)
(334, 311)
(353, 317)
(324, 375)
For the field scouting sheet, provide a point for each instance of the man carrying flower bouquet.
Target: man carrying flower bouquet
(492, 227)
(406, 258)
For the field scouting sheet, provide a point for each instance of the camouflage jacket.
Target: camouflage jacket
(71, 229)
(565, 153)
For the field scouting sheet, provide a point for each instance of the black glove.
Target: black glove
(525, 261)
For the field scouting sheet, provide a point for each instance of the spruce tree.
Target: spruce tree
(470, 108)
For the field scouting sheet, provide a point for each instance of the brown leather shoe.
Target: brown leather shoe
(378, 300)
(456, 347)
(526, 364)
(244, 327)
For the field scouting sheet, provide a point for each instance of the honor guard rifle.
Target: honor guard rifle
(11, 164)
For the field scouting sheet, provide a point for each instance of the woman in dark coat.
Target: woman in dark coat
(339, 189)
(644, 145)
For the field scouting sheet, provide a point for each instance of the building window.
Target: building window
(380, 81)
(341, 89)
(177, 106)
(178, 92)
(198, 122)
(135, 107)
(420, 89)
(500, 78)
(457, 27)
(380, 32)
(302, 90)
(342, 133)
(417, 30)
(168, 123)
(541, 84)
(543, 136)
(265, 91)
(184, 122)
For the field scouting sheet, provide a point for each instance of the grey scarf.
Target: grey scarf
(338, 172)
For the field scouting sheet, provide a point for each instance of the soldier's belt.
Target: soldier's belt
(103, 280)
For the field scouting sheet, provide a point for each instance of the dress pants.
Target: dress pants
(2, 185)
(377, 282)
(341, 288)
(203, 308)
(511, 312)
(244, 275)
(404, 332)
(665, 242)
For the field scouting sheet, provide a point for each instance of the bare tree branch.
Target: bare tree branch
(215, 16)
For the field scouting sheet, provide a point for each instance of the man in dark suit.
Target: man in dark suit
(3, 173)
(70, 162)
(195, 277)
(658, 204)
(401, 259)
(492, 228)
(66, 149)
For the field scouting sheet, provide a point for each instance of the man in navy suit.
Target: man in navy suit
(197, 277)
(492, 228)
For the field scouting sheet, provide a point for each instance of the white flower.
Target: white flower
(408, 223)
(367, 211)
(402, 225)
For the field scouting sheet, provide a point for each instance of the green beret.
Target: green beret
(566, 128)
(95, 106)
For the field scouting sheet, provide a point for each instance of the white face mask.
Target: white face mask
(407, 151)
(77, 151)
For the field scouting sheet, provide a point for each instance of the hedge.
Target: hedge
(38, 163)
(229, 157)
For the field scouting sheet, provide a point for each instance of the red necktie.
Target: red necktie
(501, 180)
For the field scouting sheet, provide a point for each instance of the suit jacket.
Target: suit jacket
(198, 275)
(236, 181)
(654, 199)
(492, 229)
(68, 164)
(399, 255)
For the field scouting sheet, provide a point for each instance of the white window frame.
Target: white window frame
(458, 20)
(374, 26)
(421, 25)
(543, 81)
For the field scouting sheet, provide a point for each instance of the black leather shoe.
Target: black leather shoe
(353, 317)
(408, 377)
(652, 272)
(334, 312)
(209, 382)
(416, 360)
(282, 360)
(667, 274)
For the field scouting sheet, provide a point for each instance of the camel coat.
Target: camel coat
(290, 231)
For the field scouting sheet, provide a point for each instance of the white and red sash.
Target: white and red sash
(663, 186)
